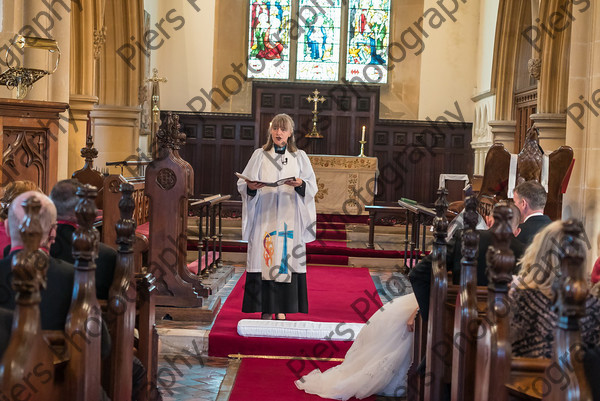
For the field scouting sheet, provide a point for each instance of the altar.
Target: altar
(346, 183)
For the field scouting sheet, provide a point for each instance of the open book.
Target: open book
(268, 184)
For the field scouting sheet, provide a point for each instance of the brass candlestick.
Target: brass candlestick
(362, 148)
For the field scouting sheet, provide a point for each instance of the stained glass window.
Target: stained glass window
(319, 27)
(314, 31)
(368, 40)
(269, 39)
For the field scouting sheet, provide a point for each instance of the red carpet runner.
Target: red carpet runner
(335, 294)
(273, 380)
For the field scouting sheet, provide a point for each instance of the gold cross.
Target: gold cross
(155, 79)
(315, 98)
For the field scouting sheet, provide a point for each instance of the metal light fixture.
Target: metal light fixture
(23, 78)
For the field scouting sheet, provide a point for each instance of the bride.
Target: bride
(378, 360)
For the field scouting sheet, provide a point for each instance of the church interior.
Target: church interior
(414, 117)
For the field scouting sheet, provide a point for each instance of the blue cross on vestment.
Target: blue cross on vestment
(283, 268)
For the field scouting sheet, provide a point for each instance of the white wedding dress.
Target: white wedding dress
(376, 363)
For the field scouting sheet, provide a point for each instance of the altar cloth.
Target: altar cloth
(346, 183)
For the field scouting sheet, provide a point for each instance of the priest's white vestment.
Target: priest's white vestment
(278, 222)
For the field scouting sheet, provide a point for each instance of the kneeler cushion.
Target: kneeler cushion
(302, 329)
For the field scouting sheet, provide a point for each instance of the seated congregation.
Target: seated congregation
(502, 330)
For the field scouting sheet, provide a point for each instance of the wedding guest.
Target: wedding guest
(11, 191)
(534, 321)
(530, 197)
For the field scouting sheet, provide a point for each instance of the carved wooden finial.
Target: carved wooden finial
(500, 258)
(571, 287)
(170, 136)
(29, 266)
(440, 222)
(470, 238)
(89, 152)
(126, 225)
(85, 238)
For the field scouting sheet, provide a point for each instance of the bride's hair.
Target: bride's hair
(286, 123)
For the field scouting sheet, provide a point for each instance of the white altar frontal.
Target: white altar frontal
(346, 183)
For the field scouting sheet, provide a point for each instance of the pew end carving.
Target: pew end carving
(29, 277)
(168, 180)
(437, 366)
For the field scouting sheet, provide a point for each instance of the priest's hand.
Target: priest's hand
(294, 183)
(253, 185)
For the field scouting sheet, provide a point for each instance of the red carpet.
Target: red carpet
(317, 259)
(342, 218)
(273, 380)
(335, 294)
(339, 234)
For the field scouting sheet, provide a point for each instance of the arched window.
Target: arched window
(319, 40)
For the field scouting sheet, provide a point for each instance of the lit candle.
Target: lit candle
(363, 134)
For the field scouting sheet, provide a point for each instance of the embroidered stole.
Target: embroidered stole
(278, 211)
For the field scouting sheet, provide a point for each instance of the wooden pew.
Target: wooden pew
(457, 310)
(435, 362)
(131, 296)
(65, 365)
(499, 376)
(121, 305)
(572, 291)
(466, 316)
(111, 213)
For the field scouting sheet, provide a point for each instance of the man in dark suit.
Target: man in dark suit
(485, 241)
(65, 199)
(56, 297)
(530, 197)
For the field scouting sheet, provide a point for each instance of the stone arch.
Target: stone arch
(554, 57)
(514, 17)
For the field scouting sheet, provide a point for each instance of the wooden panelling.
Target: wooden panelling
(29, 133)
(411, 154)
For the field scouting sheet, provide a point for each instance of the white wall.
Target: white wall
(449, 61)
(485, 45)
(186, 58)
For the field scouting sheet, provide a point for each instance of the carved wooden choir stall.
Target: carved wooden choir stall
(504, 171)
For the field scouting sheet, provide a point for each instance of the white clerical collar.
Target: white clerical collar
(533, 214)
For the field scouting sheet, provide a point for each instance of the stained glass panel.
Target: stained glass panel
(269, 39)
(319, 28)
(368, 40)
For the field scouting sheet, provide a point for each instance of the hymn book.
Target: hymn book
(268, 184)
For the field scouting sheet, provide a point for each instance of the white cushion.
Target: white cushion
(337, 331)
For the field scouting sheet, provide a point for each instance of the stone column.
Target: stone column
(115, 129)
(552, 128)
(116, 118)
(503, 131)
(582, 199)
(83, 74)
